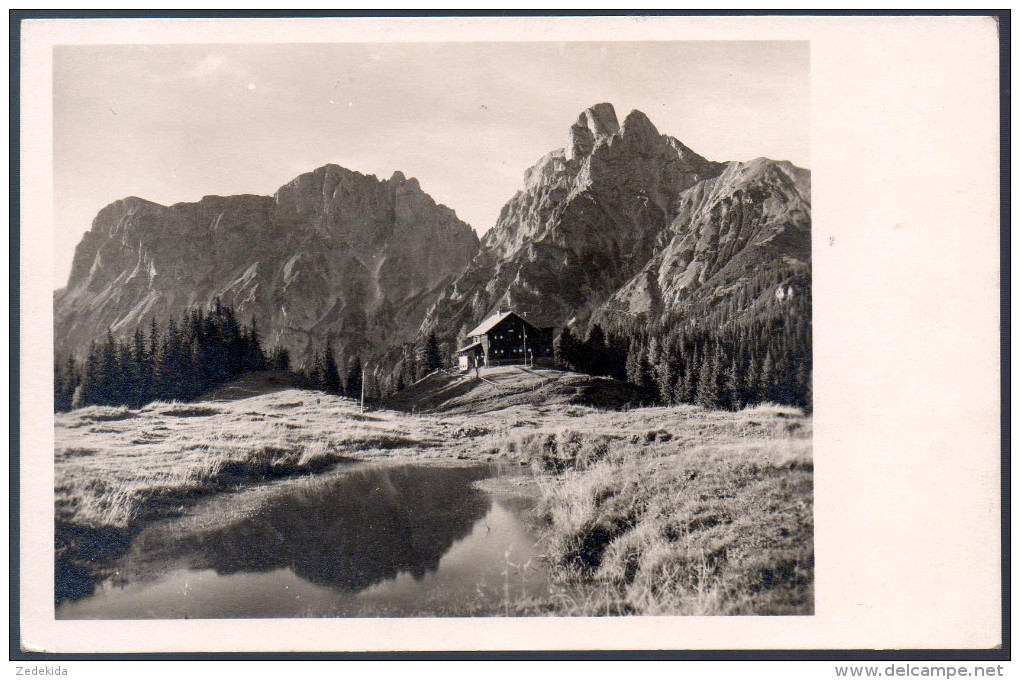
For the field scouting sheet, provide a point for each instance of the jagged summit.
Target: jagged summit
(332, 251)
(586, 221)
(599, 125)
(638, 127)
(595, 122)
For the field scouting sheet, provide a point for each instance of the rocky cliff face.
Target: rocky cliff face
(332, 251)
(586, 221)
(750, 220)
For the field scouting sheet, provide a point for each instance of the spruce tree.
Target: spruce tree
(330, 373)
(766, 380)
(733, 395)
(688, 392)
(353, 381)
(752, 381)
(140, 379)
(634, 361)
(433, 361)
(708, 381)
(314, 372)
(66, 381)
(399, 382)
(154, 388)
(595, 353)
(108, 370)
(279, 359)
(565, 350)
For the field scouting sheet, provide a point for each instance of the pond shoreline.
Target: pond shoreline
(360, 540)
(599, 486)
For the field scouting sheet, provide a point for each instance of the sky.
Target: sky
(173, 123)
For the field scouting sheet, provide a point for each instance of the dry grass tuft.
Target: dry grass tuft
(557, 451)
(713, 529)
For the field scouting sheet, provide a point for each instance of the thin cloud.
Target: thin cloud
(211, 69)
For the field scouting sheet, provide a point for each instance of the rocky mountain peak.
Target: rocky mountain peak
(594, 123)
(585, 221)
(333, 251)
(637, 126)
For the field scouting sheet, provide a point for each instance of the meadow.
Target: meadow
(655, 510)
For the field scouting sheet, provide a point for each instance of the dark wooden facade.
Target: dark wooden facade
(505, 338)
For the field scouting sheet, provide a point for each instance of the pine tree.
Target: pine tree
(595, 361)
(752, 380)
(330, 372)
(708, 381)
(766, 380)
(279, 359)
(66, 381)
(565, 350)
(353, 380)
(635, 359)
(433, 361)
(733, 395)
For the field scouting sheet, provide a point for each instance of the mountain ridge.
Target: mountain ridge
(619, 223)
(331, 251)
(591, 217)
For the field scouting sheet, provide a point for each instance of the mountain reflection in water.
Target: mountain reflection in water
(387, 527)
(348, 533)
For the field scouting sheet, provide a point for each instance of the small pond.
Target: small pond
(394, 541)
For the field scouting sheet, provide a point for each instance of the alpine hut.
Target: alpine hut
(504, 338)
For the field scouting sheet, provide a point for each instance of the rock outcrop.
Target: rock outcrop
(751, 219)
(334, 251)
(586, 221)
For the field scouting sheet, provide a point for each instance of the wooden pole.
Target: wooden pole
(525, 329)
(362, 390)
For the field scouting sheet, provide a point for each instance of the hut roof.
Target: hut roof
(487, 325)
(471, 346)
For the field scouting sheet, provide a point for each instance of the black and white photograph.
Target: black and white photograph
(520, 332)
(386, 328)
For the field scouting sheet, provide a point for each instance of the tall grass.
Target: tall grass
(115, 467)
(709, 530)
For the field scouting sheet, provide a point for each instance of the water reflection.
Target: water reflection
(376, 541)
